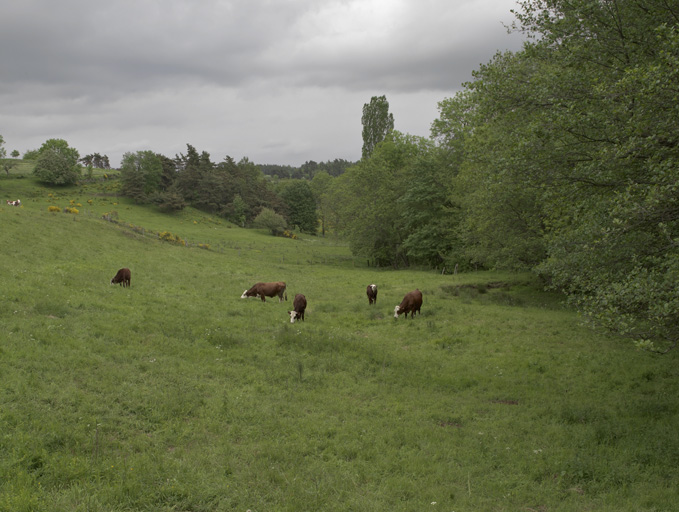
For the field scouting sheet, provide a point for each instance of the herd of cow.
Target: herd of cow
(411, 303)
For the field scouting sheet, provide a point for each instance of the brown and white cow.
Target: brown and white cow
(123, 277)
(298, 306)
(372, 293)
(14, 203)
(411, 303)
(263, 290)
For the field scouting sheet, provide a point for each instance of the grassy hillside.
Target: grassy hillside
(175, 394)
(19, 167)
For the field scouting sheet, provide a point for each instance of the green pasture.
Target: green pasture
(177, 395)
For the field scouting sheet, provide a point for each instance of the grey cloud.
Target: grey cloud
(201, 71)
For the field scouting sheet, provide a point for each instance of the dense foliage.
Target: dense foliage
(396, 205)
(307, 170)
(301, 206)
(570, 159)
(57, 163)
(237, 191)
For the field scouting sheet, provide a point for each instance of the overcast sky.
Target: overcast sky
(277, 81)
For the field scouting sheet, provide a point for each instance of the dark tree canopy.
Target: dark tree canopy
(301, 206)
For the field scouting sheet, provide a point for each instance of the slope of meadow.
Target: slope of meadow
(175, 394)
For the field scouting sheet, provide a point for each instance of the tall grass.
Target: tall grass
(175, 394)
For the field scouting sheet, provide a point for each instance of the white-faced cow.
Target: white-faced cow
(14, 203)
(123, 277)
(372, 293)
(263, 290)
(298, 306)
(411, 303)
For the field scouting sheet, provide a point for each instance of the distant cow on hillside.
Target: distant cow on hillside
(298, 306)
(372, 293)
(411, 303)
(123, 277)
(14, 203)
(263, 290)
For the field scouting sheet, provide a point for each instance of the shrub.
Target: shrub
(270, 220)
(53, 209)
(169, 237)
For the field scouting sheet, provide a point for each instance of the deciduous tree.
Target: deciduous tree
(57, 163)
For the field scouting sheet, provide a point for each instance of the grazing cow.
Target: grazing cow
(14, 203)
(372, 293)
(298, 305)
(263, 290)
(411, 303)
(123, 277)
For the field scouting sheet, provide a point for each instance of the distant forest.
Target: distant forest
(307, 170)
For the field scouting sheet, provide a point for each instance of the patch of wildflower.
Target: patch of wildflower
(53, 209)
(169, 237)
(74, 211)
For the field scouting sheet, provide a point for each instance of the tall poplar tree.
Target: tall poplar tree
(377, 123)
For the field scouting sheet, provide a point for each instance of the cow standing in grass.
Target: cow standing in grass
(411, 303)
(298, 306)
(371, 291)
(124, 277)
(263, 290)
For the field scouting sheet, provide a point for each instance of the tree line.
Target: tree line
(237, 191)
